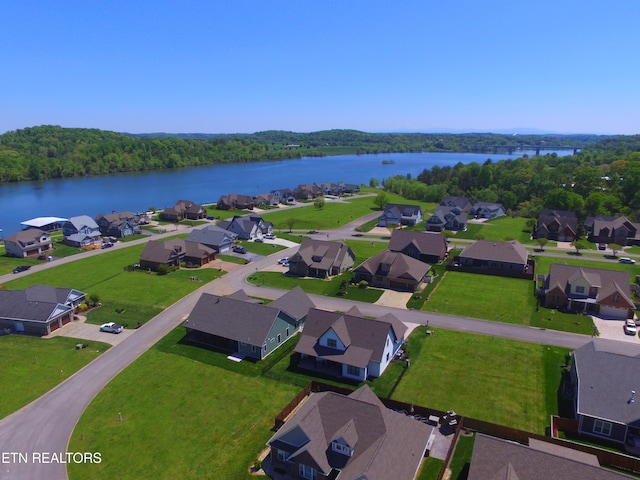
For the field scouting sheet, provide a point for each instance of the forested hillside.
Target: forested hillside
(603, 179)
(47, 152)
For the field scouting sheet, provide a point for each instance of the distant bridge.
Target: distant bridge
(514, 148)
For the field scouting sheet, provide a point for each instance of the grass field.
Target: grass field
(493, 379)
(543, 264)
(500, 299)
(501, 229)
(140, 294)
(32, 366)
(180, 419)
(365, 249)
(316, 286)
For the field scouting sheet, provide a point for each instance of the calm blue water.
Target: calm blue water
(139, 191)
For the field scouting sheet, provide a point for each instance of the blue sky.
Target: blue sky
(246, 66)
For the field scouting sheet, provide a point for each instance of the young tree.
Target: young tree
(290, 223)
(542, 242)
(580, 245)
(319, 203)
(615, 248)
(381, 200)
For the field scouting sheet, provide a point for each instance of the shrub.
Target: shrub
(363, 284)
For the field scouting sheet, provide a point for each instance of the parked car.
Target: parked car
(21, 268)
(107, 245)
(284, 260)
(270, 236)
(602, 246)
(239, 249)
(259, 240)
(111, 327)
(630, 327)
(626, 260)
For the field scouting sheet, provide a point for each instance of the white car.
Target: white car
(111, 327)
(630, 327)
(284, 260)
(270, 236)
(626, 260)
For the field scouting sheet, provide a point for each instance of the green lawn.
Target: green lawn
(32, 366)
(500, 229)
(259, 248)
(181, 418)
(461, 459)
(316, 286)
(500, 299)
(140, 294)
(493, 379)
(365, 249)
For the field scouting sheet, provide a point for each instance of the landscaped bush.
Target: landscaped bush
(363, 284)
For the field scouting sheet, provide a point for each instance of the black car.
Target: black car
(239, 249)
(21, 268)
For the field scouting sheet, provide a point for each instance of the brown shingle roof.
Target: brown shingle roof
(508, 252)
(427, 243)
(400, 266)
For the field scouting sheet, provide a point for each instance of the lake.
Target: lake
(139, 191)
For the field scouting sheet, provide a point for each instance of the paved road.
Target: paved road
(46, 425)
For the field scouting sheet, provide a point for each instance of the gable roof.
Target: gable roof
(508, 252)
(156, 251)
(212, 235)
(28, 236)
(322, 254)
(38, 303)
(83, 221)
(497, 459)
(399, 266)
(607, 373)
(386, 444)
(399, 210)
(427, 243)
(294, 303)
(365, 338)
(463, 203)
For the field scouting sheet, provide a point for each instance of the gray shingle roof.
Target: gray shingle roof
(37, 303)
(294, 303)
(212, 235)
(321, 254)
(427, 243)
(508, 252)
(400, 265)
(386, 444)
(607, 372)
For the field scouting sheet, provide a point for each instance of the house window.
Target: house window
(388, 356)
(287, 332)
(343, 449)
(616, 297)
(279, 339)
(307, 472)
(579, 289)
(351, 370)
(282, 455)
(602, 428)
(332, 342)
(253, 348)
(264, 347)
(555, 299)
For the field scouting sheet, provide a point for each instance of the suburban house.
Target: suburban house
(321, 258)
(618, 230)
(117, 224)
(32, 242)
(427, 247)
(349, 436)
(216, 238)
(184, 209)
(557, 225)
(81, 231)
(488, 210)
(497, 459)
(495, 258)
(338, 189)
(38, 310)
(394, 270)
(307, 191)
(595, 291)
(447, 218)
(173, 252)
(266, 200)
(235, 201)
(237, 324)
(605, 375)
(248, 227)
(284, 195)
(348, 344)
(398, 214)
(463, 203)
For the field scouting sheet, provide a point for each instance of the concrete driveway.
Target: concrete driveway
(86, 331)
(614, 330)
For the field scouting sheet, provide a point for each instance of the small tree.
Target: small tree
(615, 248)
(542, 242)
(319, 203)
(580, 245)
(381, 200)
(290, 223)
(94, 298)
(374, 182)
(531, 224)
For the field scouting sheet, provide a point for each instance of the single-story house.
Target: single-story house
(399, 214)
(394, 270)
(446, 218)
(558, 225)
(488, 210)
(216, 238)
(618, 230)
(173, 252)
(81, 231)
(353, 437)
(247, 227)
(237, 324)
(28, 243)
(497, 459)
(321, 258)
(463, 203)
(307, 191)
(605, 375)
(348, 344)
(596, 291)
(117, 224)
(428, 247)
(498, 258)
(184, 209)
(235, 201)
(38, 310)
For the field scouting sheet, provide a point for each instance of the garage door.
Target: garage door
(607, 311)
(53, 326)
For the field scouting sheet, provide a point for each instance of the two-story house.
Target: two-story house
(558, 225)
(117, 224)
(32, 242)
(81, 231)
(400, 214)
(248, 227)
